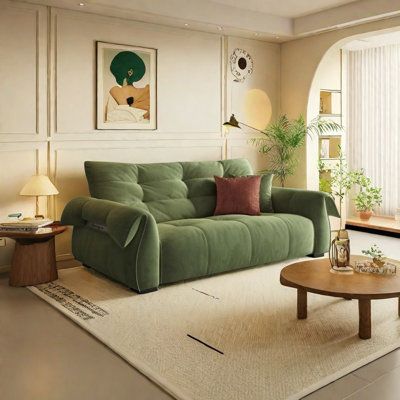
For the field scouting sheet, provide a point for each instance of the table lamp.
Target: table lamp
(38, 185)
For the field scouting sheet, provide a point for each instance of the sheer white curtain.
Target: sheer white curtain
(373, 119)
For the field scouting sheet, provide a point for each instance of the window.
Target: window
(373, 119)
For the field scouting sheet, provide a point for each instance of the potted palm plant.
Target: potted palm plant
(284, 137)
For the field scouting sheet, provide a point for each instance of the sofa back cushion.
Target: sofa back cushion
(169, 191)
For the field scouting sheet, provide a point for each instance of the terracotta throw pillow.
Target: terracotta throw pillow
(240, 195)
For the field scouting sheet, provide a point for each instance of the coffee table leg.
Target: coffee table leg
(301, 304)
(364, 310)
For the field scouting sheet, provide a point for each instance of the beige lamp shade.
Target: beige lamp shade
(38, 185)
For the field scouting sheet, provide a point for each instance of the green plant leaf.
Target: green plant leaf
(283, 137)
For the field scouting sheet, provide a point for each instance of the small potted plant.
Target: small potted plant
(376, 253)
(367, 198)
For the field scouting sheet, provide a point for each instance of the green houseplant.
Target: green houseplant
(324, 181)
(341, 181)
(367, 198)
(284, 137)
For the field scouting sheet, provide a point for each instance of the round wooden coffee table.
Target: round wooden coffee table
(34, 259)
(314, 276)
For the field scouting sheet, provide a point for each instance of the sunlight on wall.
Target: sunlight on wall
(258, 109)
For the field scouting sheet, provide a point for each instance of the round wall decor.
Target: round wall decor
(241, 64)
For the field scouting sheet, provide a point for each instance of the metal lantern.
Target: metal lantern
(339, 252)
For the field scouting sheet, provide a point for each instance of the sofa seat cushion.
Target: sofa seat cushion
(192, 248)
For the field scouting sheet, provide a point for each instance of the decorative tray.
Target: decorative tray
(370, 267)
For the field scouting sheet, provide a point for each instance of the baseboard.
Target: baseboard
(365, 229)
(64, 257)
(4, 268)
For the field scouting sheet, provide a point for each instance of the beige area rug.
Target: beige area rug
(248, 316)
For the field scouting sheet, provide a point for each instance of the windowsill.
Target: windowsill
(375, 225)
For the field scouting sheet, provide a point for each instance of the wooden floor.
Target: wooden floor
(45, 356)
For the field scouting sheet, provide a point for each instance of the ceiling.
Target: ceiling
(383, 39)
(286, 8)
(268, 20)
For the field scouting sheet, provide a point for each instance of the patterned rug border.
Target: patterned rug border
(171, 388)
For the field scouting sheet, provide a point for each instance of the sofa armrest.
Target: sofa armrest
(316, 206)
(121, 222)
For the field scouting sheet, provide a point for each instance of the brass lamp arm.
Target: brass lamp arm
(234, 123)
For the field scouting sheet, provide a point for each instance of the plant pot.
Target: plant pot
(379, 262)
(365, 215)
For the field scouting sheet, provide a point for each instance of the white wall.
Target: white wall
(48, 100)
(256, 100)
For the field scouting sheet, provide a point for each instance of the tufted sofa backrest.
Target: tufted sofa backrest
(169, 191)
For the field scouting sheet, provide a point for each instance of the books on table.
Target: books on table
(25, 225)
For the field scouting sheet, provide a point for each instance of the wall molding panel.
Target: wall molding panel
(23, 115)
(241, 148)
(49, 125)
(186, 80)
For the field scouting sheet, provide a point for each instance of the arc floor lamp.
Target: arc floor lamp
(234, 123)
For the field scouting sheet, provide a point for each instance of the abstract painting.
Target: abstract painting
(126, 87)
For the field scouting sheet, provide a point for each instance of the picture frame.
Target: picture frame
(126, 87)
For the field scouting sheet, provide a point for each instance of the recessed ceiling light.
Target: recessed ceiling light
(186, 25)
(81, 4)
(220, 28)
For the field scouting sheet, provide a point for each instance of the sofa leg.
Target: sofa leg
(315, 255)
(144, 291)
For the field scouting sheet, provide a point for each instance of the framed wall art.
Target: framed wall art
(126, 87)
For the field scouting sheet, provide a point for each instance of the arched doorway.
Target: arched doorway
(328, 97)
(300, 60)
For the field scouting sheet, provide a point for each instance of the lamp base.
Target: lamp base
(341, 270)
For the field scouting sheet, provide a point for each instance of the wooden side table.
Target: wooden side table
(34, 258)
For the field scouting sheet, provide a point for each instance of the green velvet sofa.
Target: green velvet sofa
(152, 224)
